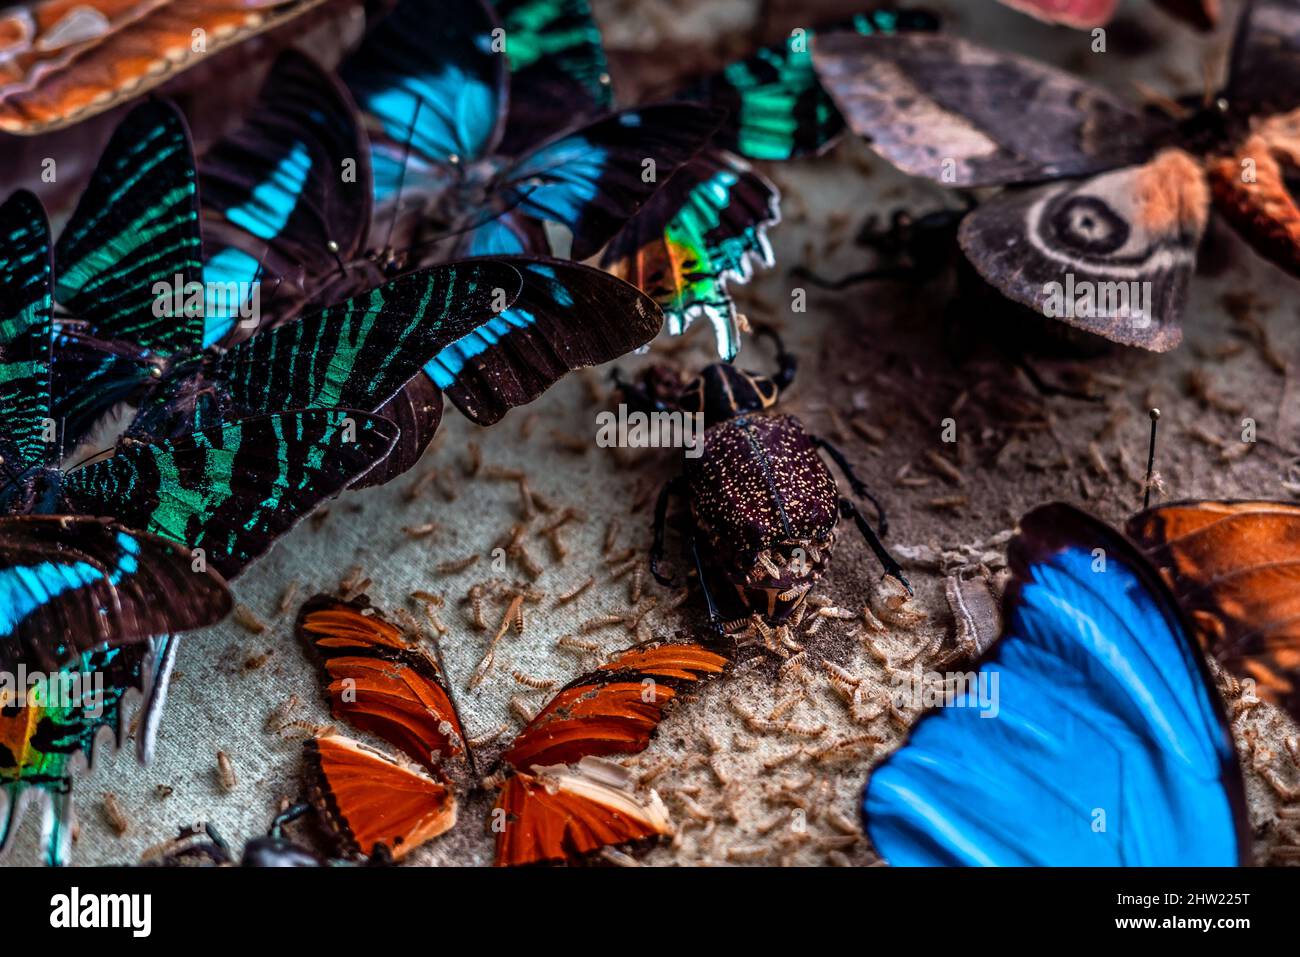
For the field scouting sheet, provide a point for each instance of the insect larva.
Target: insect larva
(805, 730)
(570, 442)
(115, 814)
(653, 771)
(531, 681)
(782, 757)
(611, 537)
(574, 592)
(570, 643)
(420, 531)
(226, 771)
(474, 459)
(428, 598)
(780, 709)
(304, 729)
(526, 505)
(276, 719)
(618, 858)
(743, 854)
(418, 487)
(499, 473)
(489, 736)
(692, 806)
(247, 619)
(867, 432)
(522, 709)
(599, 623)
(527, 425)
(527, 562)
(620, 570)
(456, 566)
(288, 597)
(448, 488)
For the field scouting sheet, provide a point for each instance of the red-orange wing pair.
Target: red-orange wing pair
(1235, 567)
(379, 681)
(559, 801)
(62, 61)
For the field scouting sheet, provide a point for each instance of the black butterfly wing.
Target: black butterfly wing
(705, 228)
(136, 226)
(26, 332)
(233, 490)
(558, 69)
(962, 115)
(416, 411)
(70, 584)
(359, 353)
(1264, 76)
(277, 191)
(568, 316)
(1111, 254)
(594, 179)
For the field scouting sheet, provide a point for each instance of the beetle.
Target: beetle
(764, 505)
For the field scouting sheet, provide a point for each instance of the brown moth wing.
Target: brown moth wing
(963, 115)
(1096, 238)
(1265, 74)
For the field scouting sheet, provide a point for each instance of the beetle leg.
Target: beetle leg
(786, 362)
(661, 519)
(288, 815)
(891, 566)
(715, 619)
(859, 487)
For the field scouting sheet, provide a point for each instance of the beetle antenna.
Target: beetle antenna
(1151, 459)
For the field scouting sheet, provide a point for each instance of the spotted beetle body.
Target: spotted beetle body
(764, 506)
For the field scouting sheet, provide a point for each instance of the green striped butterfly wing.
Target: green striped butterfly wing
(558, 70)
(360, 353)
(778, 109)
(234, 489)
(26, 332)
(136, 225)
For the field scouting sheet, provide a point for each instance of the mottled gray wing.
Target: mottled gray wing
(1111, 254)
(963, 115)
(1265, 74)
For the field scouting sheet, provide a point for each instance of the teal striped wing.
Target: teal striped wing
(233, 490)
(26, 332)
(136, 225)
(360, 353)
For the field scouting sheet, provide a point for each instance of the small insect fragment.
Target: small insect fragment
(226, 772)
(247, 619)
(115, 814)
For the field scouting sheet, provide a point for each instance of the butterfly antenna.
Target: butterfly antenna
(1151, 459)
(479, 224)
(451, 697)
(1166, 104)
(333, 248)
(401, 175)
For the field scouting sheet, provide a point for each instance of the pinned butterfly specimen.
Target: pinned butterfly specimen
(1235, 567)
(558, 800)
(1092, 734)
(708, 226)
(1108, 241)
(65, 62)
(1084, 14)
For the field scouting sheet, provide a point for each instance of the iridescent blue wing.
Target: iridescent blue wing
(1092, 735)
(428, 77)
(705, 228)
(593, 180)
(567, 317)
(777, 109)
(26, 333)
(69, 585)
(286, 196)
(558, 70)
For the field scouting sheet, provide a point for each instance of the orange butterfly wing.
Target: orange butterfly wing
(549, 812)
(366, 798)
(381, 683)
(1235, 567)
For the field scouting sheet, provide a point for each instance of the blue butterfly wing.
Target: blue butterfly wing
(1091, 737)
(594, 179)
(442, 90)
(568, 316)
(277, 191)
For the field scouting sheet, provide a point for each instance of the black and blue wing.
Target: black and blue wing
(1092, 734)
(568, 316)
(69, 585)
(593, 179)
(231, 491)
(286, 197)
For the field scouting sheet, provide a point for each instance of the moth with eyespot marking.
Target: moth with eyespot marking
(1098, 190)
